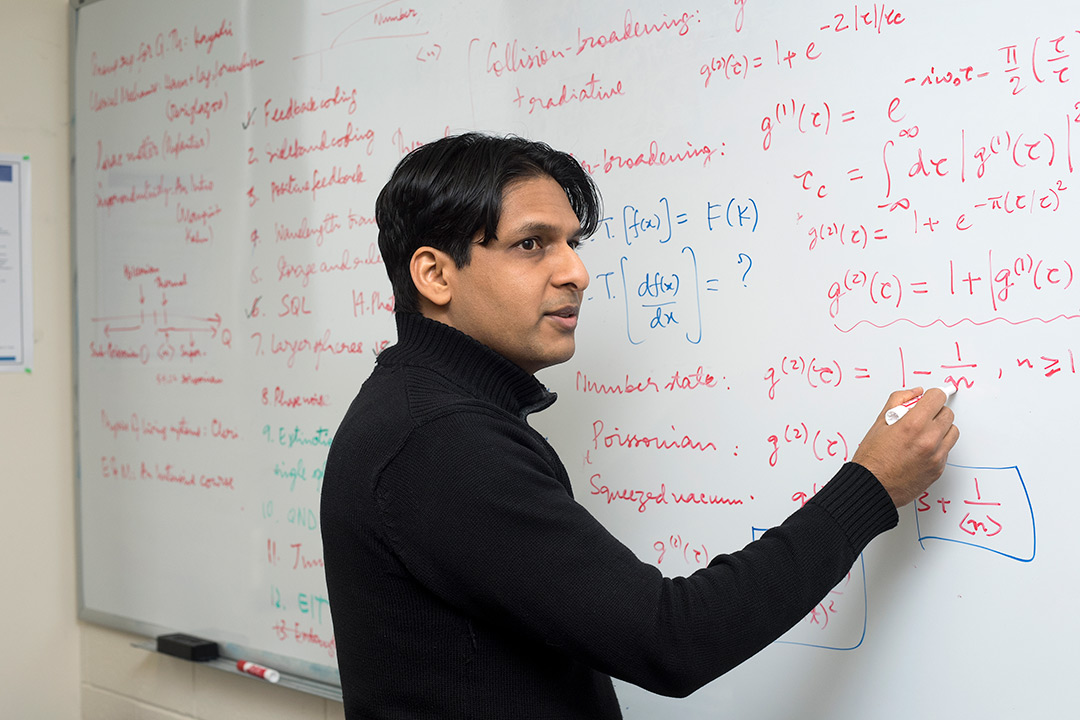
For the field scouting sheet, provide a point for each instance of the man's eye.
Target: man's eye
(528, 244)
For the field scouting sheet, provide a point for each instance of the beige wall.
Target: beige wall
(120, 682)
(39, 665)
(53, 667)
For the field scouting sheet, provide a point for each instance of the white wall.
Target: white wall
(54, 667)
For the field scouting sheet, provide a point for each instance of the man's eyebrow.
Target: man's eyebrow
(543, 228)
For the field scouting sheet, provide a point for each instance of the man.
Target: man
(464, 580)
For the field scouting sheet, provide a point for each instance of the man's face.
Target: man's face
(520, 294)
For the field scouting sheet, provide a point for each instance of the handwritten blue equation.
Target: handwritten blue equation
(662, 293)
(656, 225)
(981, 507)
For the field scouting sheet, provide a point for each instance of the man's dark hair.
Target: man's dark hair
(445, 193)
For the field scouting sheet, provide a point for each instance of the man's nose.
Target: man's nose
(571, 270)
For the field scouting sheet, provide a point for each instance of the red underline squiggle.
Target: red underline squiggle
(958, 322)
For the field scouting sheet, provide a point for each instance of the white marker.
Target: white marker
(894, 414)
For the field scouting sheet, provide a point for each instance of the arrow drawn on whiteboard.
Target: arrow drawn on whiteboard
(750, 264)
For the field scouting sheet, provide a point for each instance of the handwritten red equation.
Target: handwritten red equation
(948, 363)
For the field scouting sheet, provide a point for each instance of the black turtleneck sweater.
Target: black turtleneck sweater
(466, 582)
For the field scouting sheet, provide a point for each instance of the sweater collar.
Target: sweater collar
(473, 366)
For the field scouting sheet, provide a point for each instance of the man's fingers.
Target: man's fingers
(931, 405)
(900, 397)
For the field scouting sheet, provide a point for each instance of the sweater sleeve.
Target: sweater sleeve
(485, 524)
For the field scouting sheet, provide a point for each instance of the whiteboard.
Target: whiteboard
(807, 206)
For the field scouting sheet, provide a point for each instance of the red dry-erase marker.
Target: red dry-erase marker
(258, 671)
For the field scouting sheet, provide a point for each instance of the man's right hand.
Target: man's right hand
(909, 455)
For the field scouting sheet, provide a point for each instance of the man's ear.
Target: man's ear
(431, 271)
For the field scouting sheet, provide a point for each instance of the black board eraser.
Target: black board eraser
(187, 647)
